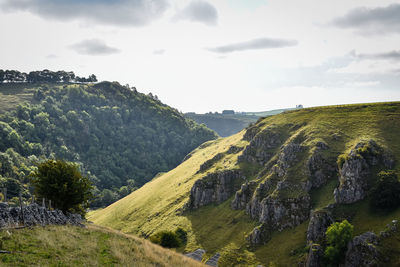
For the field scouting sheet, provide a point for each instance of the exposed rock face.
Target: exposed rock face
(315, 256)
(318, 168)
(251, 132)
(319, 222)
(361, 251)
(280, 213)
(197, 254)
(35, 215)
(355, 170)
(207, 164)
(214, 188)
(259, 149)
(244, 195)
(260, 235)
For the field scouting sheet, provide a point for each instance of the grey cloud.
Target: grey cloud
(260, 43)
(199, 11)
(111, 12)
(93, 47)
(378, 20)
(159, 52)
(391, 55)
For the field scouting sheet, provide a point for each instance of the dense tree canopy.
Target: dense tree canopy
(120, 137)
(62, 183)
(386, 194)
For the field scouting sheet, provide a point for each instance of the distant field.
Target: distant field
(13, 94)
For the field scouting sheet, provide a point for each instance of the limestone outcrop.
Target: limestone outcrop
(362, 251)
(35, 215)
(355, 170)
(259, 150)
(319, 223)
(214, 188)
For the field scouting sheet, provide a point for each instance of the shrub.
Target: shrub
(386, 193)
(337, 237)
(166, 239)
(182, 234)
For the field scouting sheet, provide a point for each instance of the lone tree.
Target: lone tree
(337, 237)
(62, 183)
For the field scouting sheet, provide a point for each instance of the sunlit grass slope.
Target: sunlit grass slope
(157, 205)
(75, 246)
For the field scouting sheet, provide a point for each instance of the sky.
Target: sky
(210, 55)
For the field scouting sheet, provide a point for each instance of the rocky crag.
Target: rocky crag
(290, 165)
(35, 215)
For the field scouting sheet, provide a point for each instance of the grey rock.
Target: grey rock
(213, 261)
(280, 213)
(260, 235)
(244, 195)
(207, 164)
(197, 254)
(362, 251)
(35, 215)
(259, 149)
(319, 222)
(355, 170)
(315, 256)
(214, 188)
(318, 169)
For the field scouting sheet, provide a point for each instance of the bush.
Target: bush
(182, 234)
(166, 239)
(337, 237)
(62, 183)
(386, 193)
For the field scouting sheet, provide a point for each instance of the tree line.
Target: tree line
(14, 76)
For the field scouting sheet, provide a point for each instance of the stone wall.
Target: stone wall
(35, 215)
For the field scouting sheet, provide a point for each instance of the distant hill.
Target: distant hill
(120, 137)
(229, 122)
(267, 194)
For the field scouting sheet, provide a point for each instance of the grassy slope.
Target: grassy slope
(13, 94)
(75, 246)
(218, 228)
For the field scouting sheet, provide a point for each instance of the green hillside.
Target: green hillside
(291, 160)
(76, 246)
(120, 137)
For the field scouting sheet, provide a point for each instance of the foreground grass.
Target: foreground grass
(157, 205)
(76, 246)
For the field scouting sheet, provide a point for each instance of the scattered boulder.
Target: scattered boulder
(213, 261)
(207, 164)
(362, 251)
(214, 188)
(197, 254)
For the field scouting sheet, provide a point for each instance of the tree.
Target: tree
(386, 194)
(62, 183)
(337, 237)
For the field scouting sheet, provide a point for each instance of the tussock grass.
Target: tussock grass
(91, 246)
